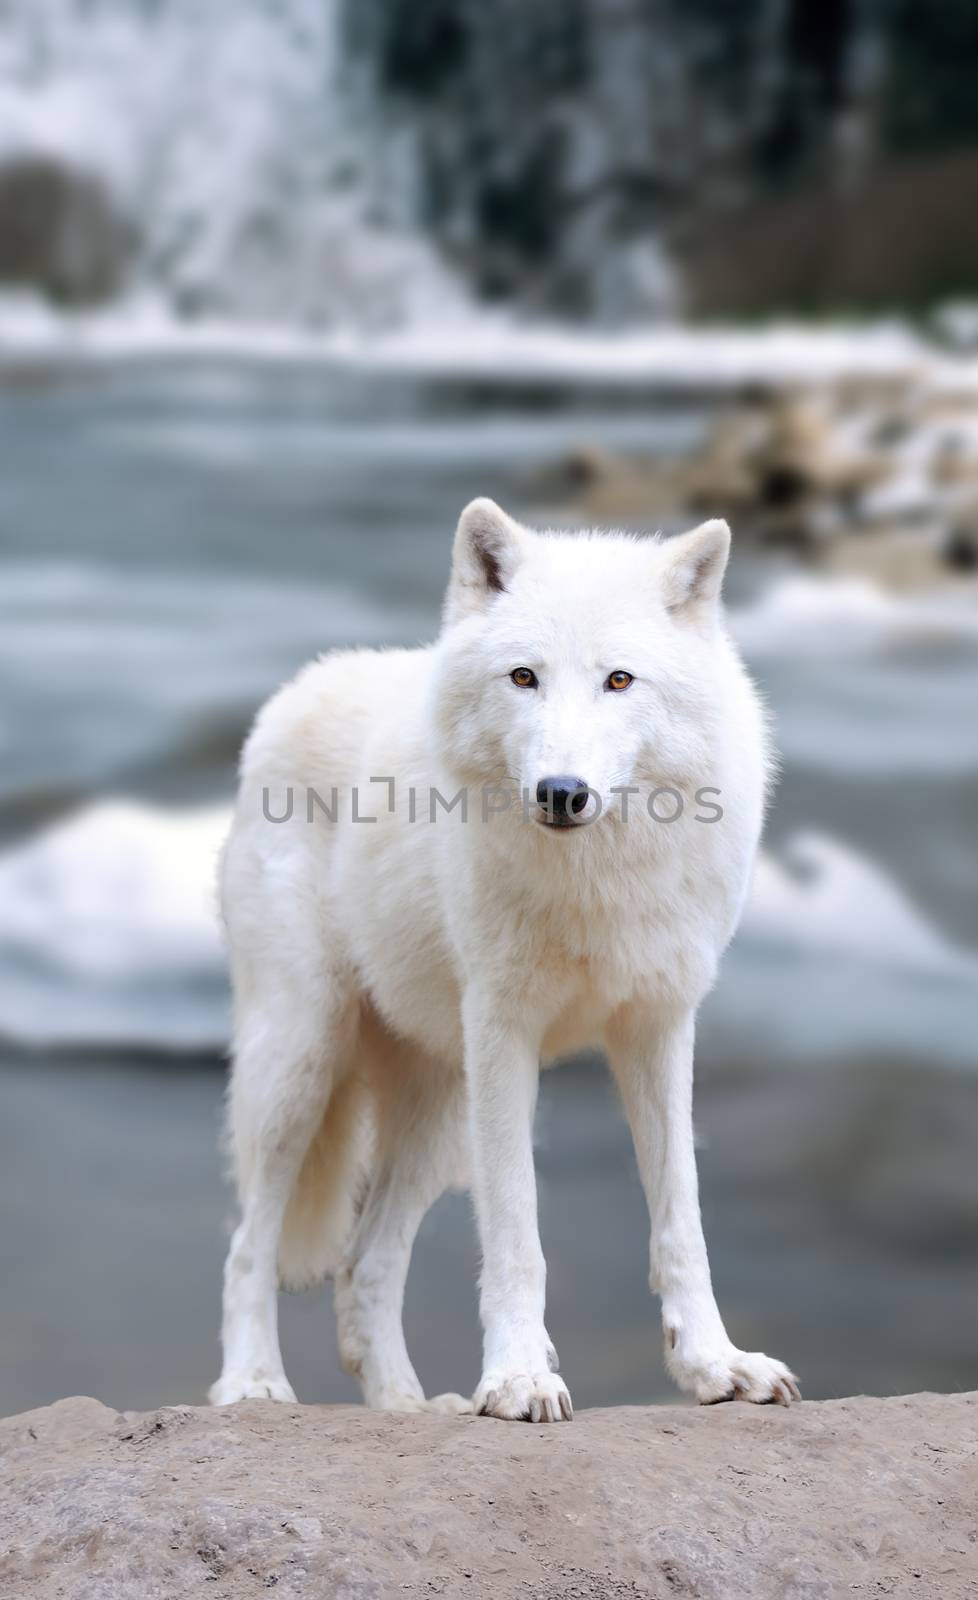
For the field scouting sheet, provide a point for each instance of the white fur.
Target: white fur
(372, 961)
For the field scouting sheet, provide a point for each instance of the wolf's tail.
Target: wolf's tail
(323, 1204)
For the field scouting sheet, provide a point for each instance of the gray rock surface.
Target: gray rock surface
(862, 1496)
(60, 231)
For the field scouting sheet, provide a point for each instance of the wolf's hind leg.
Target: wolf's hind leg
(420, 1110)
(288, 1058)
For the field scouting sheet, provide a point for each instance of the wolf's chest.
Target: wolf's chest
(649, 937)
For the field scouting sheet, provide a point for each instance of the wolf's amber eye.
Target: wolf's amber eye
(618, 681)
(524, 678)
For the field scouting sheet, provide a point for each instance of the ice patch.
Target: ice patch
(806, 616)
(821, 896)
(834, 963)
(109, 931)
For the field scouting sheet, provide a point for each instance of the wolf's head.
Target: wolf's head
(571, 663)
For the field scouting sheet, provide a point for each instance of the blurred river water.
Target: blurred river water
(178, 538)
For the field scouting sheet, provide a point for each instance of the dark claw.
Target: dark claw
(567, 1410)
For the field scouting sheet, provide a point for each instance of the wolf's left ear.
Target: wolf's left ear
(488, 548)
(693, 568)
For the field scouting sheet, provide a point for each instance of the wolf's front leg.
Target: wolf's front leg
(652, 1059)
(502, 1071)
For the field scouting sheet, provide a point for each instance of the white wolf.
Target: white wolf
(397, 982)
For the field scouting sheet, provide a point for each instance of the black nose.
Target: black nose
(562, 797)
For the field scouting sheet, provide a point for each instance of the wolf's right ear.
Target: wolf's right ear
(488, 548)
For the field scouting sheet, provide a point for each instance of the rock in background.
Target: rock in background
(59, 231)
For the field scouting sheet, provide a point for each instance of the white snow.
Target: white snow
(819, 895)
(109, 931)
(803, 615)
(447, 338)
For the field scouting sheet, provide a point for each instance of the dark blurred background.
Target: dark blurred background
(283, 283)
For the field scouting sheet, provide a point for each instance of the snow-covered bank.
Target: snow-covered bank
(461, 342)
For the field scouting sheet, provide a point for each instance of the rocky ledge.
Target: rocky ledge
(861, 1496)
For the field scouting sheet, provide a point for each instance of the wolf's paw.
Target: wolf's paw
(234, 1386)
(450, 1405)
(734, 1374)
(389, 1398)
(524, 1397)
